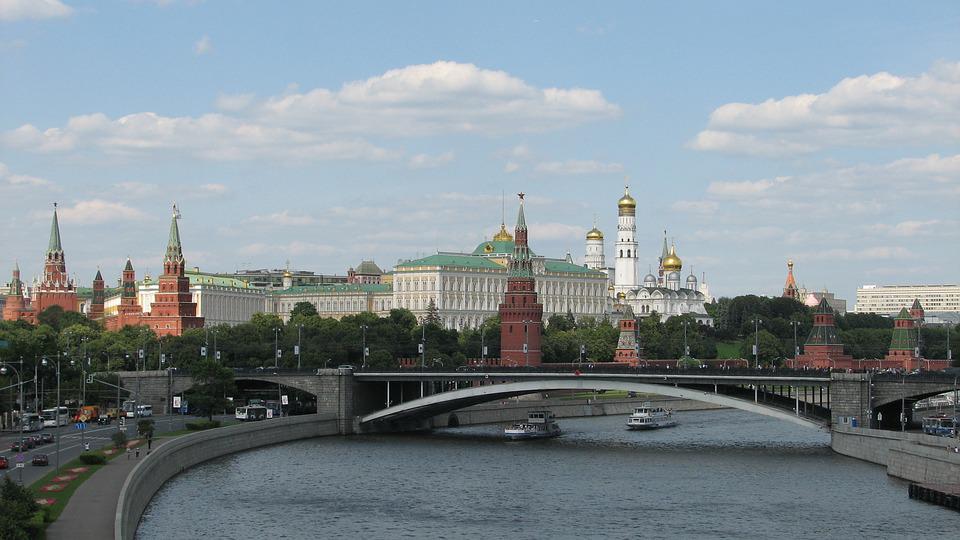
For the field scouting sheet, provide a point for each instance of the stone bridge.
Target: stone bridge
(396, 400)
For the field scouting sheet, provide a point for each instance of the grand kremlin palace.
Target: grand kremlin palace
(466, 288)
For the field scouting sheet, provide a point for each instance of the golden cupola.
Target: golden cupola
(503, 235)
(672, 262)
(627, 204)
(594, 234)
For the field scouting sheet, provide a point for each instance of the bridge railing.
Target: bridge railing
(610, 368)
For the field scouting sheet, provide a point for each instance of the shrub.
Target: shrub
(202, 425)
(92, 459)
(119, 439)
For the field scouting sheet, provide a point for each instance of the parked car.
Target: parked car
(104, 419)
(40, 460)
(3, 462)
(47, 437)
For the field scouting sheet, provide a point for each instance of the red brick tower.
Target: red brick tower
(627, 345)
(823, 348)
(904, 348)
(129, 312)
(173, 309)
(96, 303)
(56, 289)
(790, 289)
(521, 316)
(916, 311)
(18, 306)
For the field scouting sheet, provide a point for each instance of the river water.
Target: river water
(719, 474)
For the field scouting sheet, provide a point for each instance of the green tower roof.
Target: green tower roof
(54, 245)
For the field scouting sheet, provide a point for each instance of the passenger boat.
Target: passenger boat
(647, 417)
(539, 425)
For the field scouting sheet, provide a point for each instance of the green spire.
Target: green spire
(129, 266)
(904, 337)
(99, 276)
(54, 245)
(521, 221)
(666, 250)
(174, 250)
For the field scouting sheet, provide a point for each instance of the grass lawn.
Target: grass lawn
(728, 349)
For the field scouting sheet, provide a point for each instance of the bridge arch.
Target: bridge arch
(446, 402)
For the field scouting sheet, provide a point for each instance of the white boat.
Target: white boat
(539, 425)
(647, 417)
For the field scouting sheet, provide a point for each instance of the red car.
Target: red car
(3, 462)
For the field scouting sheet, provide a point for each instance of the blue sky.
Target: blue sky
(329, 133)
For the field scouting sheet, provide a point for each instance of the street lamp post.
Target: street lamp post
(56, 414)
(363, 363)
(686, 348)
(796, 346)
(3, 371)
(83, 389)
(756, 341)
(483, 349)
(299, 337)
(276, 347)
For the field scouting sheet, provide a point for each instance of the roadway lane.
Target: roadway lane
(70, 446)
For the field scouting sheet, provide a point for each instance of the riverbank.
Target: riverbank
(916, 457)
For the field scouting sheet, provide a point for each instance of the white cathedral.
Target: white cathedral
(661, 293)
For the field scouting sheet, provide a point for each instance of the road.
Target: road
(70, 443)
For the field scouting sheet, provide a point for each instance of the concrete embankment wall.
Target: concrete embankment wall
(513, 410)
(912, 456)
(180, 454)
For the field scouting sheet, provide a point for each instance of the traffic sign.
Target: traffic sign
(284, 400)
(20, 465)
(176, 402)
(81, 426)
(20, 458)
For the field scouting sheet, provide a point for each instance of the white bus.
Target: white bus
(31, 422)
(251, 413)
(132, 410)
(56, 417)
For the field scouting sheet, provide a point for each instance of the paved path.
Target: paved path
(90, 513)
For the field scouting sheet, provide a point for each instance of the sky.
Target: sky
(327, 133)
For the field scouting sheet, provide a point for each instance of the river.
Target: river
(719, 474)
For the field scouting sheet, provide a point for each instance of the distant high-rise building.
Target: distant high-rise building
(889, 299)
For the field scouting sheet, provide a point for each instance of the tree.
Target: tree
(433, 314)
(17, 507)
(212, 383)
(303, 309)
(771, 348)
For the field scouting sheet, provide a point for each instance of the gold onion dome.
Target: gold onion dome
(626, 201)
(594, 234)
(672, 263)
(503, 235)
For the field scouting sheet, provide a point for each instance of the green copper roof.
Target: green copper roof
(54, 234)
(334, 288)
(494, 247)
(823, 307)
(521, 220)
(666, 251)
(444, 259)
(369, 268)
(570, 268)
(86, 293)
(129, 266)
(99, 276)
(174, 249)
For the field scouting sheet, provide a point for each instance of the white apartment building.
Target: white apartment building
(889, 299)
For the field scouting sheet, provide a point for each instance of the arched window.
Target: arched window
(628, 253)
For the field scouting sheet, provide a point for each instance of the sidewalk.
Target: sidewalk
(91, 511)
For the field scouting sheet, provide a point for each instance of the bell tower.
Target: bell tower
(521, 316)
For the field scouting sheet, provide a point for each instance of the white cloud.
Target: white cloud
(322, 124)
(95, 211)
(572, 167)
(295, 247)
(426, 161)
(557, 231)
(696, 207)
(868, 110)
(443, 97)
(211, 136)
(16, 10)
(744, 188)
(203, 46)
(914, 228)
(136, 190)
(870, 253)
(20, 180)
(284, 219)
(511, 167)
(213, 189)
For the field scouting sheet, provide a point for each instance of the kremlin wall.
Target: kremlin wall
(502, 276)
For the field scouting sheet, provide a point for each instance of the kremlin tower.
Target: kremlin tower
(129, 312)
(56, 288)
(95, 313)
(823, 349)
(628, 346)
(17, 306)
(521, 316)
(904, 348)
(790, 289)
(173, 309)
(625, 267)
